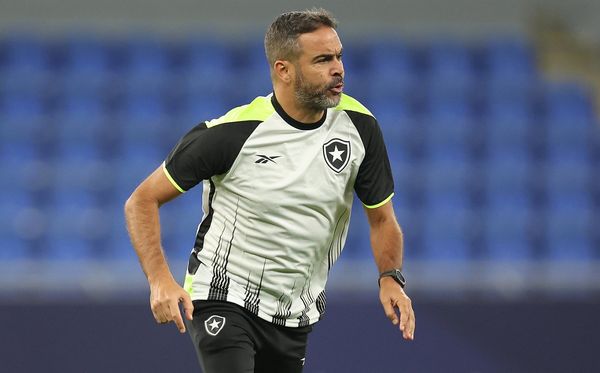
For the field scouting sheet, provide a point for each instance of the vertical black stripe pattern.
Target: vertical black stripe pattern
(252, 298)
(284, 304)
(307, 299)
(205, 225)
(335, 247)
(219, 285)
(321, 302)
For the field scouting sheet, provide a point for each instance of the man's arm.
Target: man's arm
(387, 244)
(143, 224)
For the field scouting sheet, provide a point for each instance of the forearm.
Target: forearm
(143, 225)
(387, 244)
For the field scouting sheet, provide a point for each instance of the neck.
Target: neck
(288, 103)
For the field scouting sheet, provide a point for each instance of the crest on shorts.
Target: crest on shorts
(214, 324)
(337, 154)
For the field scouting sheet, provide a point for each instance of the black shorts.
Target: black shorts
(230, 339)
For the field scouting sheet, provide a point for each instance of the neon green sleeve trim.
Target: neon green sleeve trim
(187, 283)
(350, 103)
(171, 179)
(380, 203)
(259, 109)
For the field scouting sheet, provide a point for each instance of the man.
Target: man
(279, 176)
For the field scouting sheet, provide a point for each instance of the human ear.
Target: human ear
(283, 70)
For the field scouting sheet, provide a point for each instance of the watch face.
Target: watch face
(396, 275)
(399, 277)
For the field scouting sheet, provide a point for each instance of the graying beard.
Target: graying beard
(313, 100)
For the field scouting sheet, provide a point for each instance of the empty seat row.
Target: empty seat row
(502, 57)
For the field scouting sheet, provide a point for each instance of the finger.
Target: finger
(404, 315)
(188, 306)
(176, 316)
(412, 324)
(390, 312)
(163, 317)
(158, 313)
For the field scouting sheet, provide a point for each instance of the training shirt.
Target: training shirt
(276, 200)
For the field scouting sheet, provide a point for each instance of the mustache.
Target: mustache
(336, 81)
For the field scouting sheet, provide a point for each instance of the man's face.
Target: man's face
(319, 70)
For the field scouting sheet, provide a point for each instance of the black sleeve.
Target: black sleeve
(204, 152)
(374, 182)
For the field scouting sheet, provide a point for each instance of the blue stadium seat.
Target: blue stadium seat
(509, 58)
(87, 54)
(15, 153)
(179, 224)
(358, 244)
(410, 221)
(88, 66)
(508, 119)
(407, 183)
(207, 56)
(93, 176)
(445, 152)
(508, 91)
(451, 67)
(77, 222)
(569, 231)
(28, 175)
(21, 223)
(25, 82)
(567, 102)
(446, 186)
(118, 245)
(25, 52)
(148, 67)
(447, 234)
(147, 54)
(130, 170)
(143, 120)
(355, 57)
(397, 125)
(202, 108)
(389, 70)
(448, 128)
(252, 69)
(14, 203)
(507, 232)
(83, 151)
(81, 119)
(13, 248)
(22, 106)
(449, 57)
(143, 83)
(508, 183)
(389, 59)
(568, 177)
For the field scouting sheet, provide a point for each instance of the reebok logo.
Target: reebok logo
(262, 159)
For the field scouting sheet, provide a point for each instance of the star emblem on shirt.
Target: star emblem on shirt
(214, 324)
(337, 154)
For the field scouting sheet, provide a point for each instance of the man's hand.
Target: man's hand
(165, 295)
(392, 296)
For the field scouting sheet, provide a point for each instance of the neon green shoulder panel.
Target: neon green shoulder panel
(259, 109)
(350, 103)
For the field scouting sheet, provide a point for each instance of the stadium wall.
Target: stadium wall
(469, 18)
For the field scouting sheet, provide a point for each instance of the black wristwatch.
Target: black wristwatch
(396, 275)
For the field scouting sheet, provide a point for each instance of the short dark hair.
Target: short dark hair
(281, 39)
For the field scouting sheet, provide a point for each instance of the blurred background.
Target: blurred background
(490, 115)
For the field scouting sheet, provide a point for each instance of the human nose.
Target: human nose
(338, 67)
